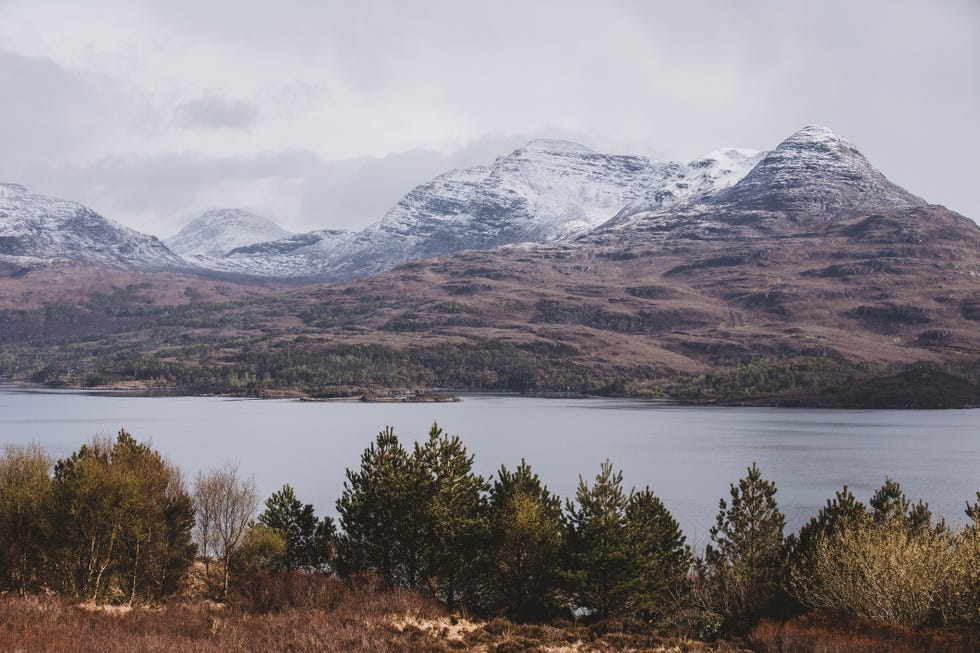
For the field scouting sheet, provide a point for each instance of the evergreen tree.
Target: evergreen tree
(600, 556)
(662, 557)
(889, 503)
(308, 540)
(382, 511)
(973, 512)
(842, 511)
(744, 562)
(455, 520)
(525, 545)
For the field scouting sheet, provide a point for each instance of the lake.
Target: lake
(687, 454)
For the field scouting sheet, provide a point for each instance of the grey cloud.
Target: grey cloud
(296, 188)
(672, 80)
(213, 111)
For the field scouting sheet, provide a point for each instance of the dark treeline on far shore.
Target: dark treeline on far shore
(115, 522)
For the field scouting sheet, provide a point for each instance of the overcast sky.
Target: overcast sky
(322, 114)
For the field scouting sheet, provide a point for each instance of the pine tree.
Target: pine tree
(456, 523)
(662, 558)
(525, 545)
(382, 514)
(973, 512)
(308, 540)
(744, 562)
(889, 503)
(600, 557)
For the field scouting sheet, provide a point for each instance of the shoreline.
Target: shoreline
(803, 401)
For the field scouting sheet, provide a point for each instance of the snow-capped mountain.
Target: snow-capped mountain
(547, 191)
(816, 171)
(217, 232)
(51, 229)
(812, 175)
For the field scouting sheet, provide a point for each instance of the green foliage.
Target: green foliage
(382, 514)
(662, 556)
(599, 557)
(886, 563)
(877, 569)
(626, 554)
(122, 520)
(841, 512)
(308, 541)
(262, 549)
(456, 520)
(417, 520)
(25, 501)
(525, 547)
(889, 503)
(743, 565)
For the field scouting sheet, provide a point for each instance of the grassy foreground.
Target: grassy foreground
(343, 619)
(336, 616)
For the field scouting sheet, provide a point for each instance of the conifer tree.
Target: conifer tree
(308, 540)
(382, 511)
(662, 558)
(525, 545)
(456, 523)
(600, 557)
(744, 562)
(889, 503)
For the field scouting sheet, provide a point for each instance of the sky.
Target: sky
(323, 114)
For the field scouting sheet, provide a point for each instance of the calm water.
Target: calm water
(688, 455)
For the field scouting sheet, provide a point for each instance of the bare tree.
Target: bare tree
(224, 504)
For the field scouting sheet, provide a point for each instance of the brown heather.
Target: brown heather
(353, 619)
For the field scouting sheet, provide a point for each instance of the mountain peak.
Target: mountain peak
(816, 134)
(817, 171)
(556, 146)
(216, 232)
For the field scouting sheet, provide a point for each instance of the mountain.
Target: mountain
(41, 228)
(217, 232)
(808, 280)
(704, 175)
(547, 191)
(813, 176)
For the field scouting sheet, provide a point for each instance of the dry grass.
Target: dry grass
(362, 620)
(830, 633)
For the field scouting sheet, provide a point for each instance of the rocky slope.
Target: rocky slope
(215, 233)
(40, 228)
(545, 192)
(812, 177)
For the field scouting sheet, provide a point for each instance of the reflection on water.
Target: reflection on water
(687, 455)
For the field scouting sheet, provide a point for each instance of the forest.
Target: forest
(116, 524)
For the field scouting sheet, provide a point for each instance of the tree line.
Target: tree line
(116, 522)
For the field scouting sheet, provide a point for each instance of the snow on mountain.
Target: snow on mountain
(217, 232)
(816, 171)
(812, 175)
(48, 228)
(707, 174)
(547, 191)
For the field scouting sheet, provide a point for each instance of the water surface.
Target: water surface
(687, 455)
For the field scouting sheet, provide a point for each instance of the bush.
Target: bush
(878, 570)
